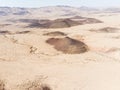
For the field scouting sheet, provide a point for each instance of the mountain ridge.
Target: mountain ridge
(66, 10)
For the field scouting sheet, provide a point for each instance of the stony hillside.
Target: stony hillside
(63, 10)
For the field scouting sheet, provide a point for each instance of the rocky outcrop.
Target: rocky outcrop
(56, 33)
(68, 45)
(63, 22)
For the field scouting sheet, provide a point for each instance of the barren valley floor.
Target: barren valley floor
(28, 62)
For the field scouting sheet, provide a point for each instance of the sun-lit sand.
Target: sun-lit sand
(27, 62)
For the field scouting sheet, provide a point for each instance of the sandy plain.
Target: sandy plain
(27, 61)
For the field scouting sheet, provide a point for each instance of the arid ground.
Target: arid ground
(59, 48)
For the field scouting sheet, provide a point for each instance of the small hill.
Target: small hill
(56, 33)
(106, 30)
(63, 22)
(68, 45)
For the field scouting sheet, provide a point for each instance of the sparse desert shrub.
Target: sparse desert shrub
(2, 85)
(34, 85)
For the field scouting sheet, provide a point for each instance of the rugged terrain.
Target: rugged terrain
(73, 49)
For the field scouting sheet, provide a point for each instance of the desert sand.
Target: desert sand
(28, 62)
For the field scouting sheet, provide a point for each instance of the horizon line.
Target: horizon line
(59, 6)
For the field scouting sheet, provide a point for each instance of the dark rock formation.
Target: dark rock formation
(106, 30)
(68, 45)
(63, 22)
(56, 33)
